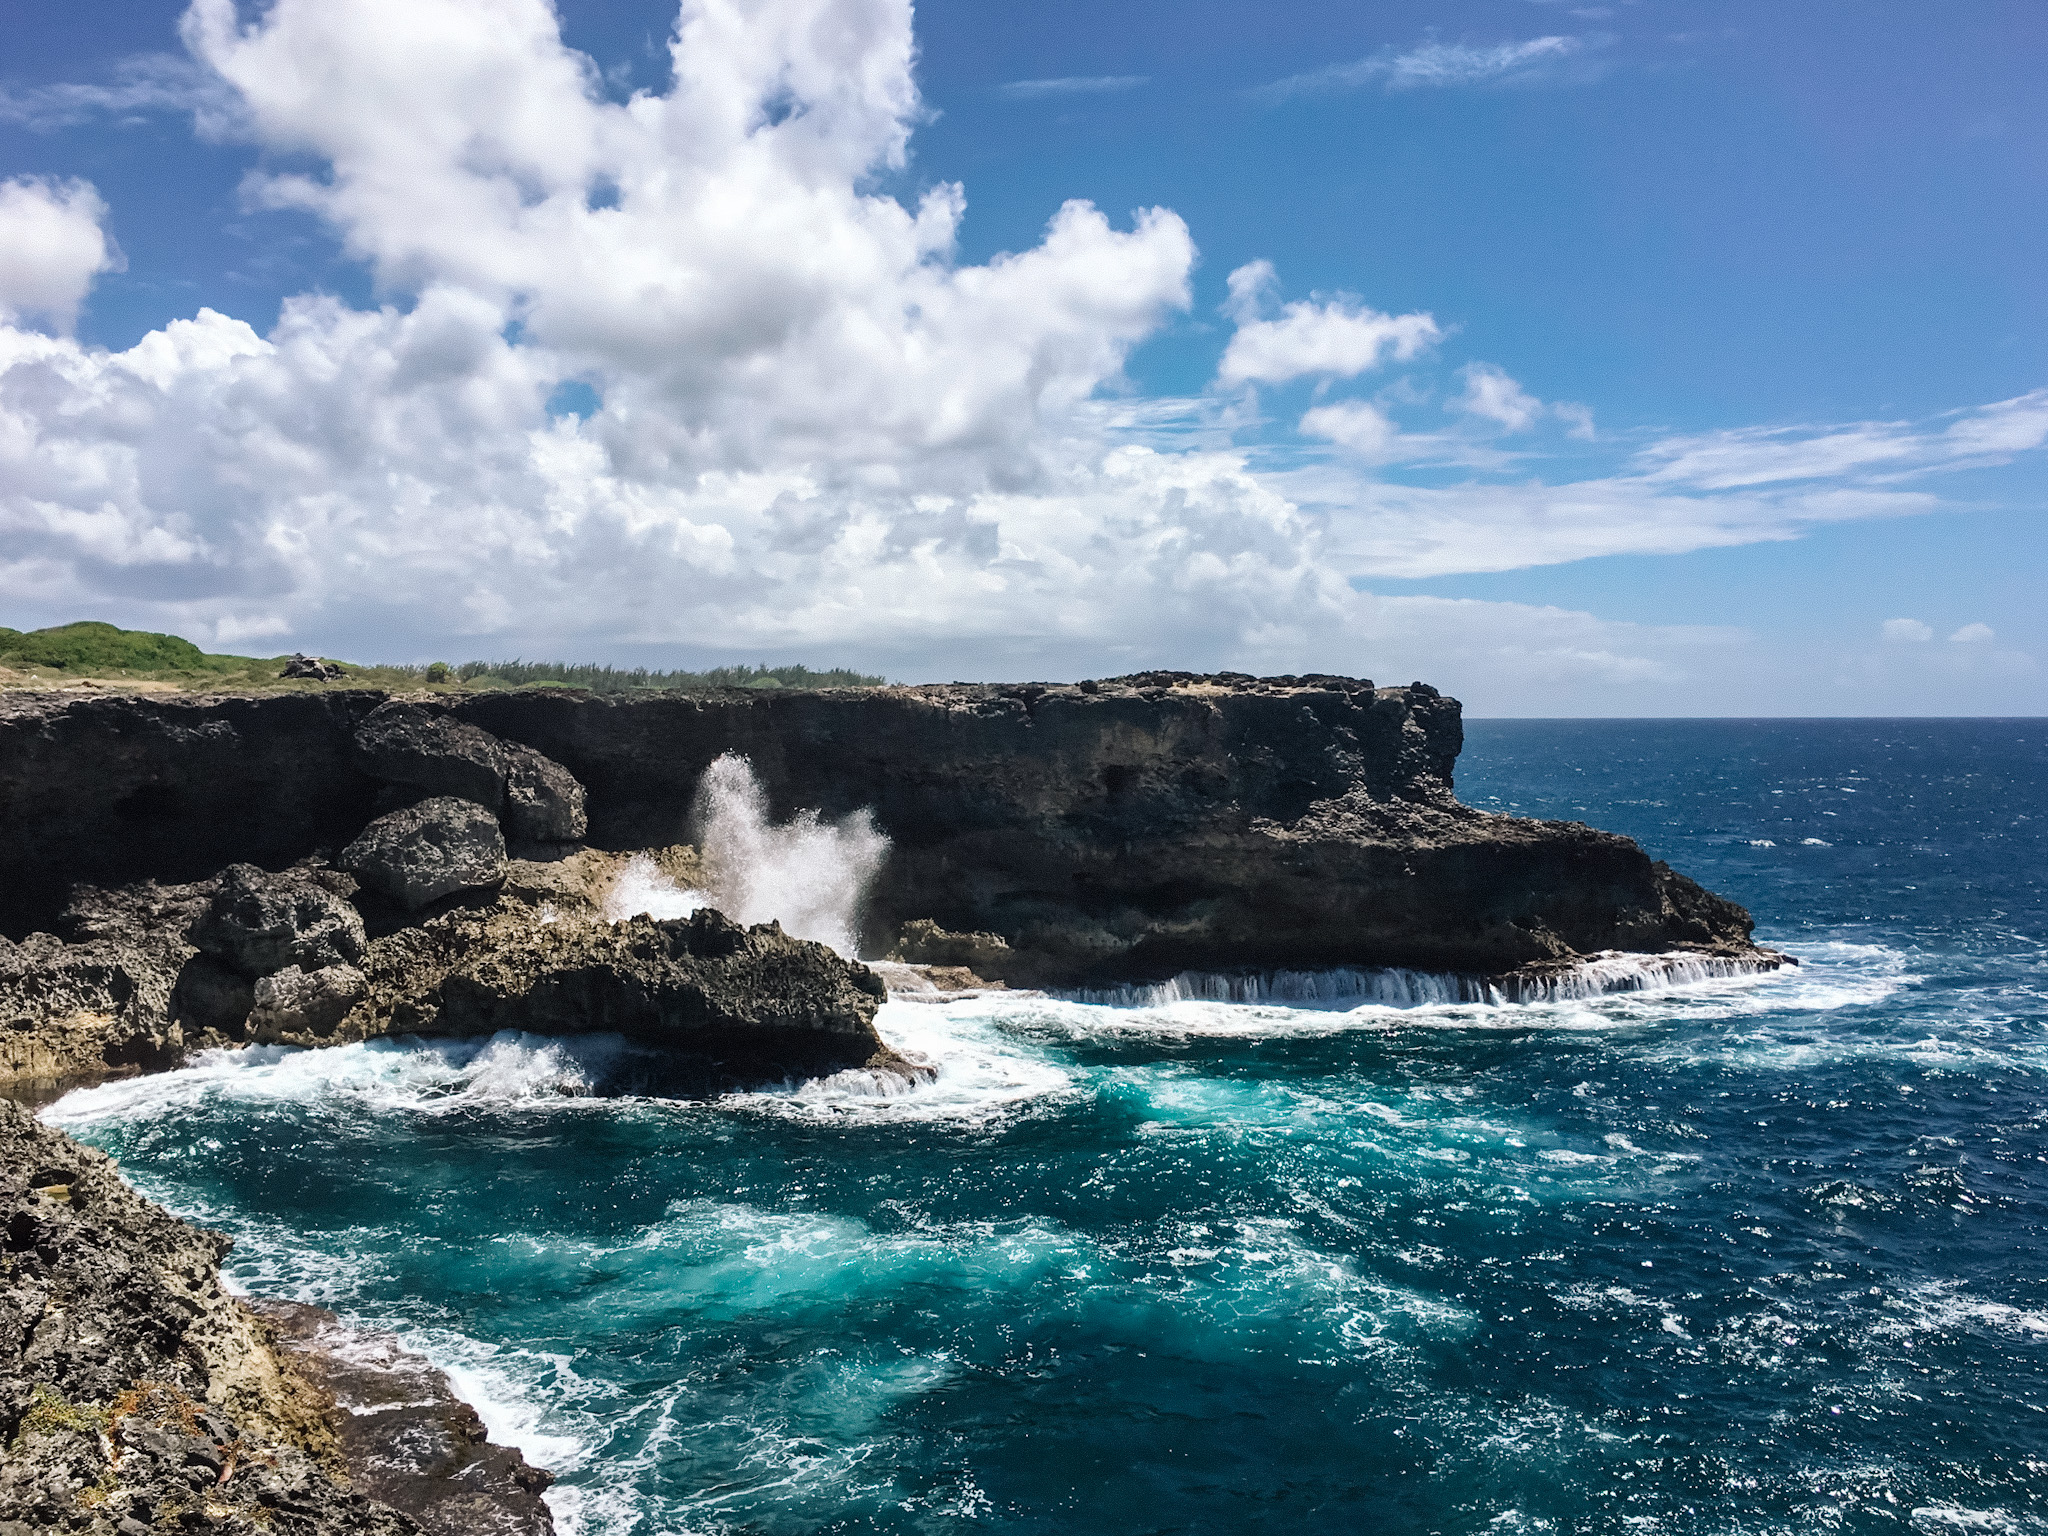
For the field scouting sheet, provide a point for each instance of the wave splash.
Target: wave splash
(808, 874)
(1599, 976)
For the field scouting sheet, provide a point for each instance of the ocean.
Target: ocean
(1740, 1255)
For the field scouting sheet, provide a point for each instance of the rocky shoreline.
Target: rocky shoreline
(182, 873)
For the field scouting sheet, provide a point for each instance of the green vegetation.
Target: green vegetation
(599, 679)
(71, 652)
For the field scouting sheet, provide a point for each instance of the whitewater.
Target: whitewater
(1716, 1253)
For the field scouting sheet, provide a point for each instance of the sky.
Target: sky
(1633, 358)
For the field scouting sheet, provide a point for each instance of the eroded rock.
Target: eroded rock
(543, 800)
(293, 1003)
(260, 922)
(429, 850)
(429, 752)
(135, 1391)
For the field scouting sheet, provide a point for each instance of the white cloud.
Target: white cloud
(1336, 338)
(1436, 65)
(1492, 395)
(1911, 631)
(816, 432)
(1974, 634)
(1364, 429)
(143, 86)
(52, 247)
(1073, 85)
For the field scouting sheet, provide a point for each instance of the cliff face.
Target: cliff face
(1122, 830)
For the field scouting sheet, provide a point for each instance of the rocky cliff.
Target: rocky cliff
(137, 1394)
(1069, 835)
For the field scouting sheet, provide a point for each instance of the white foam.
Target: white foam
(982, 1072)
(509, 1069)
(642, 887)
(808, 874)
(1608, 972)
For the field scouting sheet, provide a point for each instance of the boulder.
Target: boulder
(312, 669)
(425, 752)
(543, 801)
(427, 851)
(260, 922)
(299, 1003)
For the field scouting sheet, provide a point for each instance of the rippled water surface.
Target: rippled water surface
(1742, 1256)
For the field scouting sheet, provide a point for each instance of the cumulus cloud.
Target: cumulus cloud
(1437, 65)
(1337, 337)
(1974, 634)
(1489, 393)
(1910, 631)
(672, 371)
(52, 247)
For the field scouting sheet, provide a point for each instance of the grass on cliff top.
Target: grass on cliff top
(93, 652)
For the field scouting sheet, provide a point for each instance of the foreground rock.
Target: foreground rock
(408, 1440)
(136, 1394)
(714, 1004)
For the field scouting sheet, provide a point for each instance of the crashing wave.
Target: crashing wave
(1610, 971)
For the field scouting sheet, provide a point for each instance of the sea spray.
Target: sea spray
(809, 874)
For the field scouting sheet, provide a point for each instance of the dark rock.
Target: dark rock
(409, 1440)
(429, 752)
(296, 1003)
(427, 851)
(312, 669)
(543, 801)
(259, 922)
(116, 788)
(213, 998)
(1159, 823)
(103, 1002)
(127, 1368)
(713, 1003)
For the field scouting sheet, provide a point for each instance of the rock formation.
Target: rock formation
(429, 850)
(137, 1394)
(1112, 831)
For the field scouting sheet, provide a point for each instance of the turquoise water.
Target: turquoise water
(1761, 1255)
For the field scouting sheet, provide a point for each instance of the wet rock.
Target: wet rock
(260, 922)
(427, 752)
(429, 850)
(409, 1440)
(712, 1004)
(296, 1003)
(543, 801)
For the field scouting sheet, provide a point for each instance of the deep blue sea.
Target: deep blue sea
(1763, 1255)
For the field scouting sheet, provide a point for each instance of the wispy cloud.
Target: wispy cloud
(1435, 64)
(1072, 85)
(143, 85)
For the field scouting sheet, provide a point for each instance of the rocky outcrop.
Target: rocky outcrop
(135, 1392)
(259, 922)
(543, 801)
(711, 1003)
(427, 752)
(426, 851)
(408, 1440)
(1104, 832)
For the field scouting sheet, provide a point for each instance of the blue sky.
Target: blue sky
(1644, 358)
